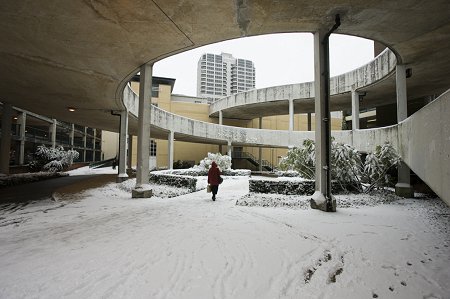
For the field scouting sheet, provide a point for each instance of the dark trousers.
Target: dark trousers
(214, 189)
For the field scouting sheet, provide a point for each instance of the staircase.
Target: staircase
(266, 165)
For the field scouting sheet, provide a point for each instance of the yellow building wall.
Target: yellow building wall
(110, 144)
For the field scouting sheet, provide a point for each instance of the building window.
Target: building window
(155, 91)
(152, 148)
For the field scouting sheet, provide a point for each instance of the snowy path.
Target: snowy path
(109, 246)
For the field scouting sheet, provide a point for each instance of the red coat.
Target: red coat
(213, 174)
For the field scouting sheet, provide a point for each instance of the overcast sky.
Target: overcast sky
(279, 59)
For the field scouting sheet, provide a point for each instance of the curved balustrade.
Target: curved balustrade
(371, 73)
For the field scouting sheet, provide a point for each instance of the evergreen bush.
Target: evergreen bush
(52, 159)
(347, 167)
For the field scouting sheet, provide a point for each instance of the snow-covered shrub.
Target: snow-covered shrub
(223, 161)
(347, 168)
(379, 166)
(52, 159)
(186, 172)
(236, 172)
(174, 180)
(301, 159)
(287, 173)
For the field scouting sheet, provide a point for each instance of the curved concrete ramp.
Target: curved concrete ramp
(274, 100)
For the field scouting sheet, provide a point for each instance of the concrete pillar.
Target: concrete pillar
(72, 136)
(23, 124)
(5, 144)
(355, 110)
(220, 117)
(322, 198)
(402, 104)
(123, 146)
(84, 143)
(93, 145)
(130, 152)
(291, 115)
(403, 187)
(144, 120)
(260, 148)
(170, 148)
(309, 121)
(53, 133)
(230, 148)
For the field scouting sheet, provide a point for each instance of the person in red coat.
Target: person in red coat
(214, 179)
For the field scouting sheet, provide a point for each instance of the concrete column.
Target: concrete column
(130, 151)
(309, 121)
(322, 198)
(403, 188)
(84, 143)
(220, 117)
(355, 110)
(170, 148)
(143, 150)
(53, 133)
(5, 144)
(123, 146)
(230, 148)
(402, 104)
(260, 148)
(72, 136)
(93, 145)
(23, 124)
(291, 115)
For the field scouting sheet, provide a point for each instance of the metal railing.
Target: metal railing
(252, 159)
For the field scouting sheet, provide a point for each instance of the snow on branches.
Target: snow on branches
(347, 166)
(52, 159)
(223, 161)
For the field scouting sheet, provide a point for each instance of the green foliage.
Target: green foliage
(301, 159)
(347, 168)
(380, 166)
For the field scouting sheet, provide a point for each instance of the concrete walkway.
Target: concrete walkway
(62, 187)
(74, 190)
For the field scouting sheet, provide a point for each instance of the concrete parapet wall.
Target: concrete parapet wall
(370, 73)
(424, 144)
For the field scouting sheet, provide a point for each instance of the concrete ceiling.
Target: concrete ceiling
(65, 53)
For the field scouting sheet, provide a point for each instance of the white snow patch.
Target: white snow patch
(111, 246)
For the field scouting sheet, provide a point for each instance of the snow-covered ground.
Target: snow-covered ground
(111, 246)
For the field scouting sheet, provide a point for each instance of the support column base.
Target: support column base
(319, 202)
(141, 192)
(404, 190)
(121, 178)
